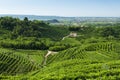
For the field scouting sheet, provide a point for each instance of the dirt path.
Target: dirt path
(45, 57)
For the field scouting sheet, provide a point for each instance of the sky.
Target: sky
(70, 8)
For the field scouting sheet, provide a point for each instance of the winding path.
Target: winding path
(49, 53)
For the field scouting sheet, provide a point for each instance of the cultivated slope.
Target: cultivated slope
(11, 64)
(95, 51)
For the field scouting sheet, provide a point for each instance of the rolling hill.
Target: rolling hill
(91, 55)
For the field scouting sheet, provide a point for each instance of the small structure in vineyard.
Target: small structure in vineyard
(72, 34)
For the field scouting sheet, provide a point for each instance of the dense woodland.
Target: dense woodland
(93, 54)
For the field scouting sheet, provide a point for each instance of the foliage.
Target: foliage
(28, 28)
(29, 43)
(57, 48)
(93, 54)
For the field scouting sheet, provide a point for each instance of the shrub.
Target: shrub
(57, 48)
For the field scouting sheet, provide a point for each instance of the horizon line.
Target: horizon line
(53, 15)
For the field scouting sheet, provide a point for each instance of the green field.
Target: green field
(24, 45)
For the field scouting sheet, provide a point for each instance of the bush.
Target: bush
(57, 48)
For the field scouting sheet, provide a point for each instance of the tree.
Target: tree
(8, 23)
(108, 31)
(26, 21)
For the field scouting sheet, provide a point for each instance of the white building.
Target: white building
(73, 34)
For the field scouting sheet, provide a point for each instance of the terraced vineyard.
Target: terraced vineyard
(97, 61)
(90, 61)
(77, 69)
(95, 51)
(11, 63)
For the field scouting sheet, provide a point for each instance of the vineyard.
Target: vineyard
(91, 61)
(15, 64)
(36, 50)
(80, 69)
(95, 51)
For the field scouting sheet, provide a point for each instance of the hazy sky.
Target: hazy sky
(61, 7)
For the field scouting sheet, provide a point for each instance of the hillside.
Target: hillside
(36, 50)
(79, 69)
(85, 62)
(100, 51)
(12, 64)
(27, 28)
(82, 62)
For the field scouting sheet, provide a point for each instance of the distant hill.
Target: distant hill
(70, 19)
(53, 21)
(35, 17)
